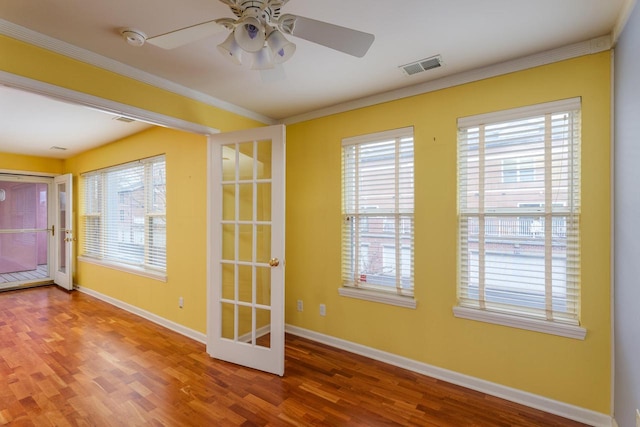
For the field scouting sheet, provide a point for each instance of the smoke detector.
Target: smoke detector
(133, 37)
(421, 65)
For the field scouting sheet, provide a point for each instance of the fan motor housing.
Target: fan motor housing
(267, 9)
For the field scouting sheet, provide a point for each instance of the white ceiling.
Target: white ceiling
(40, 126)
(468, 34)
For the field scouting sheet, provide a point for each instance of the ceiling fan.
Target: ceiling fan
(258, 33)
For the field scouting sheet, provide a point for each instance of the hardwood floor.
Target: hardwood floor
(69, 359)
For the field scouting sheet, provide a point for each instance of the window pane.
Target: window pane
(519, 199)
(158, 193)
(157, 241)
(378, 194)
(124, 214)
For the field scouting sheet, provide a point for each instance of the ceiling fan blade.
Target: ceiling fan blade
(347, 40)
(183, 36)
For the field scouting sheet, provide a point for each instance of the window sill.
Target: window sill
(384, 298)
(544, 326)
(156, 275)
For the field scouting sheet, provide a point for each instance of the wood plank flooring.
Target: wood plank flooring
(67, 359)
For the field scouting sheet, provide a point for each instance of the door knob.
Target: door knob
(274, 262)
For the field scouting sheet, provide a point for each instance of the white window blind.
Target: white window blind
(519, 212)
(125, 214)
(377, 209)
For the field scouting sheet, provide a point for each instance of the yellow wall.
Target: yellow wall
(186, 160)
(17, 162)
(568, 370)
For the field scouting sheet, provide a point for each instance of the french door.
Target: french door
(62, 231)
(35, 231)
(246, 303)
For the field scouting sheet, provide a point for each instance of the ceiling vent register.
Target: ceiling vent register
(422, 65)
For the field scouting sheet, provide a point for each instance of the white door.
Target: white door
(62, 231)
(246, 273)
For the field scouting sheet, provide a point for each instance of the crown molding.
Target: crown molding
(26, 35)
(575, 50)
(543, 58)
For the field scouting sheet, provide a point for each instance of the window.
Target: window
(377, 231)
(125, 216)
(519, 252)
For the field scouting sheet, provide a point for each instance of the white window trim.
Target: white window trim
(520, 320)
(395, 133)
(140, 271)
(537, 325)
(378, 296)
(384, 296)
(520, 113)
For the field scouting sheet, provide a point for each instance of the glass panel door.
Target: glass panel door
(23, 231)
(63, 232)
(247, 237)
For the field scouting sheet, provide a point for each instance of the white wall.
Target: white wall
(627, 223)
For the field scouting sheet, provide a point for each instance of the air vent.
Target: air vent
(123, 119)
(422, 65)
(56, 148)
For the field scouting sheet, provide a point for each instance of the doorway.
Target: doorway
(259, 308)
(24, 234)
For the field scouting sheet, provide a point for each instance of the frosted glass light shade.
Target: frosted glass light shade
(281, 48)
(231, 50)
(250, 34)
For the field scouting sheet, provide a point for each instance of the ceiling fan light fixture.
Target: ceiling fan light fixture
(231, 50)
(250, 34)
(258, 34)
(281, 48)
(262, 59)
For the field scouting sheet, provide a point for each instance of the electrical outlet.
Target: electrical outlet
(180, 302)
(299, 305)
(323, 310)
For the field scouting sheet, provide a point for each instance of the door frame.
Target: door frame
(50, 180)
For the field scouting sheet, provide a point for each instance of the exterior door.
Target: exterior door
(24, 238)
(246, 273)
(62, 231)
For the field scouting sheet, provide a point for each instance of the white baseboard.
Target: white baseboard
(534, 401)
(183, 330)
